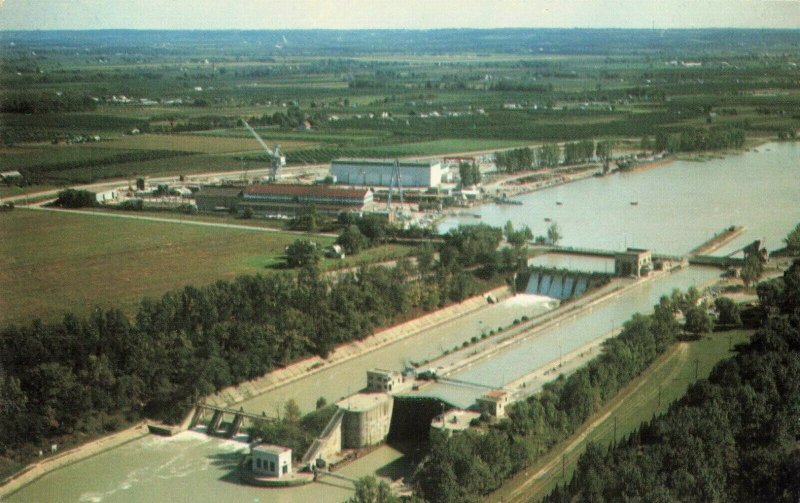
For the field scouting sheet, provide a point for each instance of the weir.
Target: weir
(558, 284)
(217, 415)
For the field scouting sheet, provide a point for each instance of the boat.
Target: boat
(559, 203)
(634, 203)
(546, 219)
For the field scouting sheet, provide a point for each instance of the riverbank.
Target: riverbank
(36, 470)
(233, 395)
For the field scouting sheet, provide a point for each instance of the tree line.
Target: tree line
(42, 103)
(696, 139)
(549, 155)
(732, 437)
(467, 466)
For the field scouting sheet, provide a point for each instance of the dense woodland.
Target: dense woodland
(86, 373)
(733, 437)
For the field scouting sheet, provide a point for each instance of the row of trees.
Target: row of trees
(549, 155)
(696, 139)
(50, 102)
(732, 437)
(469, 173)
(466, 466)
(578, 151)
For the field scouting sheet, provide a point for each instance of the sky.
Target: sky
(412, 14)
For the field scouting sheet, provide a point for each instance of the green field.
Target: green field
(54, 262)
(669, 376)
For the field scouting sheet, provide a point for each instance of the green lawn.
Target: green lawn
(668, 377)
(54, 262)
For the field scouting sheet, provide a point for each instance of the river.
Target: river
(679, 205)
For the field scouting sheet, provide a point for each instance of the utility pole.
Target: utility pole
(659, 395)
(696, 366)
(615, 430)
(563, 465)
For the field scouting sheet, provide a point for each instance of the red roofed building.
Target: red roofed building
(283, 199)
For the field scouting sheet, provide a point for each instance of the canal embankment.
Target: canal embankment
(234, 395)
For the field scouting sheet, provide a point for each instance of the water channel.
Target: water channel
(679, 206)
(570, 334)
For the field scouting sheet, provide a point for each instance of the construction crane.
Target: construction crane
(395, 176)
(278, 160)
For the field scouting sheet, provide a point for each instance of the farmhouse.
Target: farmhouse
(378, 172)
(288, 200)
(10, 176)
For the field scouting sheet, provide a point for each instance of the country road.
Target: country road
(128, 215)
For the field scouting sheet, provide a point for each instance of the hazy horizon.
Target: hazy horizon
(386, 14)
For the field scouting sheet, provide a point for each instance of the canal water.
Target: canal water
(190, 467)
(678, 206)
(570, 334)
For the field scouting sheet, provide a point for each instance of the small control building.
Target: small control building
(633, 262)
(272, 460)
(494, 403)
(384, 381)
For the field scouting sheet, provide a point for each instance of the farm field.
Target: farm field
(194, 143)
(670, 375)
(54, 262)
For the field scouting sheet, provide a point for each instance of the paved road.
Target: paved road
(121, 214)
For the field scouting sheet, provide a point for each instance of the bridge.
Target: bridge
(218, 413)
(459, 382)
(597, 252)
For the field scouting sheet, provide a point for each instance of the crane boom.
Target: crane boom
(278, 160)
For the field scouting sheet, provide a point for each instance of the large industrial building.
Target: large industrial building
(279, 199)
(276, 199)
(378, 173)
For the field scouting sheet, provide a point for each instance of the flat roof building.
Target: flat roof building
(633, 262)
(271, 460)
(494, 403)
(378, 172)
(384, 381)
(284, 199)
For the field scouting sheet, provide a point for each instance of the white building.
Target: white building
(272, 460)
(378, 172)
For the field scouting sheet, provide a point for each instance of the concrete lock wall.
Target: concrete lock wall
(368, 427)
(412, 416)
(333, 444)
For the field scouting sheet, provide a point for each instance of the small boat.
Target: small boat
(546, 219)
(476, 216)
(634, 203)
(559, 203)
